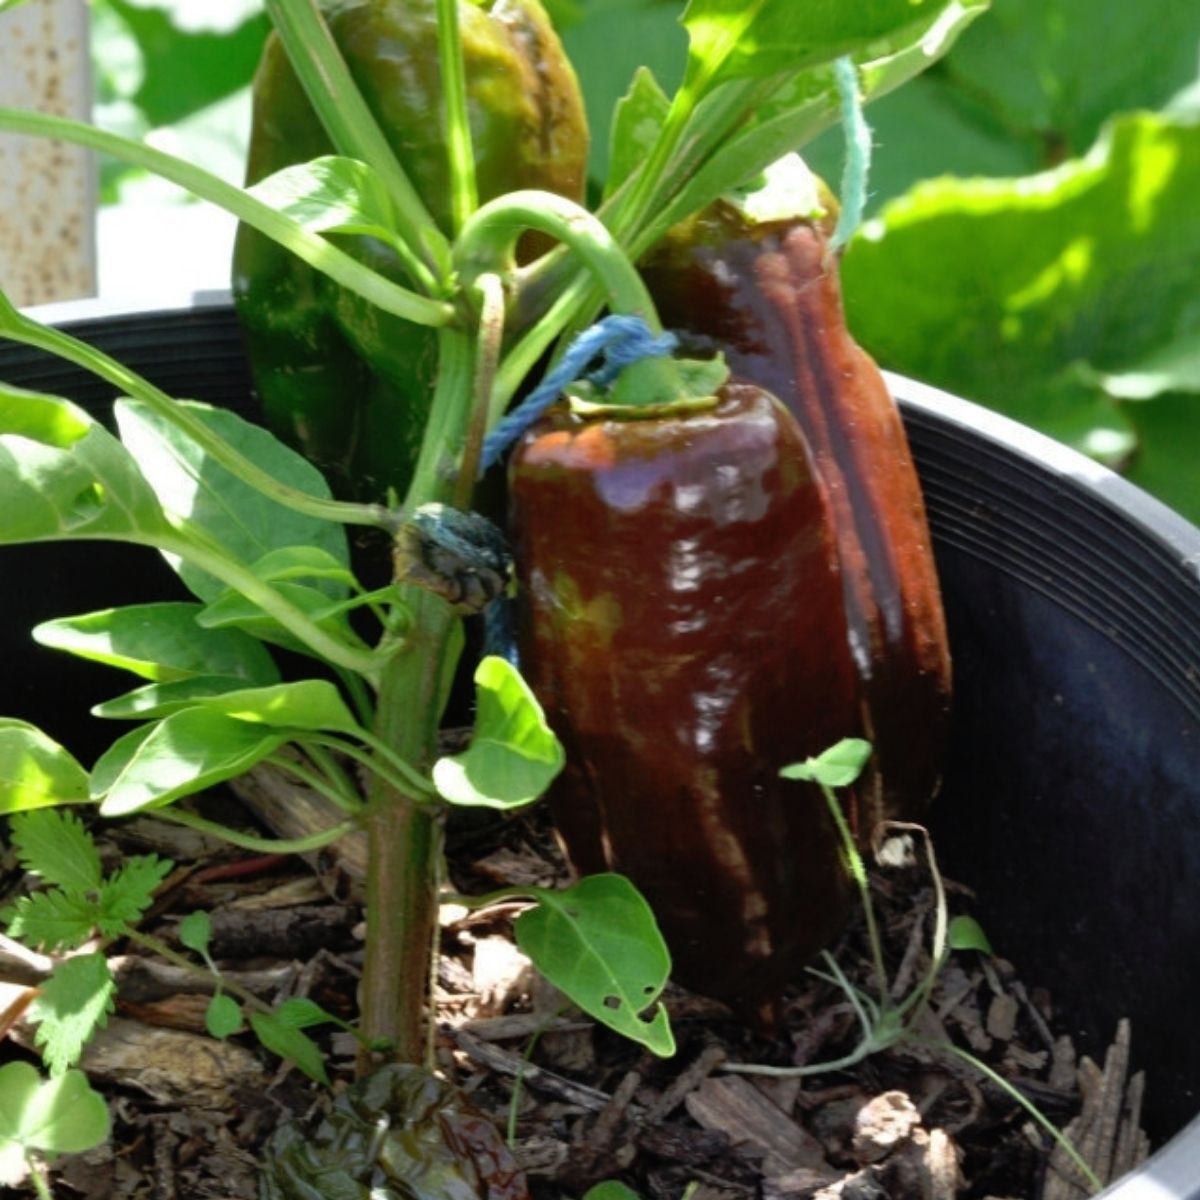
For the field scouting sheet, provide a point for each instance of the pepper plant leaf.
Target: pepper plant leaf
(805, 103)
(637, 119)
(513, 756)
(1031, 294)
(209, 498)
(159, 641)
(162, 699)
(599, 944)
(35, 771)
(62, 475)
(178, 756)
(731, 39)
(308, 704)
(331, 194)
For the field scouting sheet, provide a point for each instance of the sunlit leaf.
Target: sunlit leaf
(35, 771)
(513, 755)
(599, 944)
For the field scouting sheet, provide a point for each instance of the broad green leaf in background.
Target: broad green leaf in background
(610, 1189)
(72, 1004)
(62, 475)
(599, 944)
(35, 771)
(1053, 71)
(513, 755)
(159, 641)
(46, 1116)
(190, 484)
(1030, 294)
(178, 756)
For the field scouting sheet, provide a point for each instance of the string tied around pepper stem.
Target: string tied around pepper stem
(618, 340)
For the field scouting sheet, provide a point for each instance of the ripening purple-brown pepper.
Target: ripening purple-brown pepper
(767, 296)
(680, 617)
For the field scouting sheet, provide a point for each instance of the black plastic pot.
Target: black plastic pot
(1072, 799)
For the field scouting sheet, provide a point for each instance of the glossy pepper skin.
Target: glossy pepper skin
(768, 297)
(680, 618)
(347, 384)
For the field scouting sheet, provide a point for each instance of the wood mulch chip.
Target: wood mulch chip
(190, 1114)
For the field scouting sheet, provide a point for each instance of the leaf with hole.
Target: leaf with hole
(513, 756)
(599, 944)
(63, 475)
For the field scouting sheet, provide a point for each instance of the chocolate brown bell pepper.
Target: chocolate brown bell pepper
(767, 296)
(680, 617)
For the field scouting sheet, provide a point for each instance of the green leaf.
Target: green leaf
(209, 498)
(232, 610)
(291, 1044)
(72, 1004)
(35, 771)
(52, 920)
(302, 1013)
(759, 38)
(332, 195)
(46, 1116)
(310, 704)
(159, 641)
(637, 120)
(195, 931)
(163, 699)
(1165, 464)
(839, 766)
(611, 1189)
(126, 894)
(62, 475)
(513, 755)
(599, 944)
(804, 104)
(1016, 293)
(1173, 367)
(1053, 71)
(965, 933)
(55, 846)
(223, 1016)
(305, 562)
(178, 756)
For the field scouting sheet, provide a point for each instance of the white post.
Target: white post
(47, 189)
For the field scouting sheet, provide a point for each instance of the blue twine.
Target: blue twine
(858, 153)
(620, 340)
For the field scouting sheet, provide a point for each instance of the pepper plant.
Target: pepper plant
(260, 540)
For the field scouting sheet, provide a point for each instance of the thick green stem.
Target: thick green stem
(404, 842)
(314, 249)
(353, 129)
(490, 237)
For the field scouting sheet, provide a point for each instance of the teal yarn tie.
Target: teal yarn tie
(858, 153)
